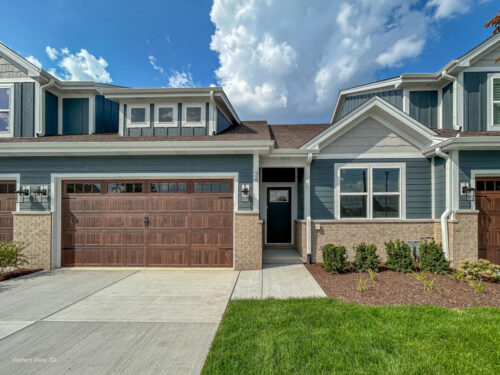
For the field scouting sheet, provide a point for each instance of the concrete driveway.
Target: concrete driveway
(111, 321)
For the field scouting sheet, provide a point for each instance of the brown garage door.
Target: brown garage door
(488, 204)
(184, 223)
(7, 205)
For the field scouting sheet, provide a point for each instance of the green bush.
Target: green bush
(398, 256)
(479, 270)
(11, 255)
(432, 258)
(366, 257)
(335, 259)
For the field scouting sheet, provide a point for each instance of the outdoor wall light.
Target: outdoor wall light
(245, 192)
(22, 193)
(40, 193)
(467, 190)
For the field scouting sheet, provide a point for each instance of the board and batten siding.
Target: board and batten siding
(36, 171)
(418, 186)
(475, 101)
(447, 106)
(423, 107)
(351, 102)
(106, 115)
(439, 186)
(51, 114)
(75, 115)
(222, 122)
(24, 109)
(469, 160)
(152, 130)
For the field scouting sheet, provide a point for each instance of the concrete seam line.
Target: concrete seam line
(232, 291)
(19, 330)
(261, 283)
(91, 294)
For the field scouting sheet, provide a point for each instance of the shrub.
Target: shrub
(479, 270)
(335, 259)
(366, 257)
(11, 255)
(398, 256)
(477, 285)
(432, 258)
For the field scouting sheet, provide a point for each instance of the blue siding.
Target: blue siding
(469, 160)
(222, 122)
(75, 116)
(106, 115)
(351, 102)
(475, 101)
(24, 109)
(35, 171)
(418, 187)
(423, 107)
(447, 106)
(440, 186)
(51, 114)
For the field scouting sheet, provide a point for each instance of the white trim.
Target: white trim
(369, 194)
(406, 101)
(293, 200)
(13, 176)
(460, 101)
(121, 118)
(60, 104)
(481, 173)
(175, 116)
(10, 133)
(400, 155)
(490, 103)
(200, 124)
(455, 190)
(440, 108)
(16, 80)
(27, 67)
(433, 187)
(56, 195)
(147, 110)
(91, 114)
(38, 102)
(256, 179)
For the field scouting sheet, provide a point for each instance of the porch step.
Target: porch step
(281, 256)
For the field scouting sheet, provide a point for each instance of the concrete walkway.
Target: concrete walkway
(277, 281)
(111, 321)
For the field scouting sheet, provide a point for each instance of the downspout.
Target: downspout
(307, 205)
(212, 124)
(447, 212)
(41, 102)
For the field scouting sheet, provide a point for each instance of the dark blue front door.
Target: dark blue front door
(279, 215)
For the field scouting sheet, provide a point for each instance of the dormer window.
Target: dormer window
(6, 105)
(138, 116)
(166, 115)
(496, 101)
(193, 115)
(493, 115)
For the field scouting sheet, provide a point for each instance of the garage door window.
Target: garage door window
(7, 188)
(211, 187)
(168, 187)
(83, 188)
(125, 187)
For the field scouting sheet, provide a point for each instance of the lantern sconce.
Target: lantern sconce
(22, 193)
(245, 192)
(40, 193)
(467, 191)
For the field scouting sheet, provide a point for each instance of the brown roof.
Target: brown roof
(453, 133)
(294, 136)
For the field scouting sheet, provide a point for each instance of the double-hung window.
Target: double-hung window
(6, 96)
(370, 191)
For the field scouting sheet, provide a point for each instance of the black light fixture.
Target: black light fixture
(21, 193)
(468, 191)
(39, 193)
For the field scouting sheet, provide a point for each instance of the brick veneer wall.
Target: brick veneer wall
(248, 241)
(35, 230)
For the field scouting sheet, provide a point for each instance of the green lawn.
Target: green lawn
(319, 336)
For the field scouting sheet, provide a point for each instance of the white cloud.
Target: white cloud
(83, 66)
(180, 79)
(34, 61)
(153, 62)
(449, 8)
(51, 52)
(402, 49)
(284, 62)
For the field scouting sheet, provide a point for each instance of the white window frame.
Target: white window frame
(131, 124)
(200, 124)
(369, 194)
(10, 133)
(489, 115)
(174, 123)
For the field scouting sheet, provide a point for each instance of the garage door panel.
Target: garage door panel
(115, 238)
(123, 256)
(212, 220)
(212, 238)
(214, 257)
(126, 221)
(171, 204)
(7, 206)
(169, 220)
(167, 237)
(211, 204)
(173, 257)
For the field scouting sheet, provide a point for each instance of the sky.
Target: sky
(278, 60)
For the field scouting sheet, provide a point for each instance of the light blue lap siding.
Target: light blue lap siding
(440, 186)
(351, 102)
(35, 171)
(418, 187)
(470, 160)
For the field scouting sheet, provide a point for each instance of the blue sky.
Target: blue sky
(278, 60)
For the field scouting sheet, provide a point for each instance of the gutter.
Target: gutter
(447, 212)
(40, 109)
(307, 205)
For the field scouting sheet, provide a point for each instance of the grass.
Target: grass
(319, 336)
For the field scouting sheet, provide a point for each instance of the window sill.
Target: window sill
(194, 125)
(166, 125)
(138, 126)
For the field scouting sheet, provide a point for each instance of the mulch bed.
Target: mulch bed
(16, 273)
(394, 288)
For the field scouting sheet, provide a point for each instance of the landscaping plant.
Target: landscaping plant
(335, 259)
(480, 270)
(398, 256)
(432, 258)
(429, 284)
(477, 285)
(11, 255)
(373, 275)
(366, 257)
(457, 276)
(363, 285)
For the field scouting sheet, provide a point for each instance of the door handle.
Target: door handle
(146, 221)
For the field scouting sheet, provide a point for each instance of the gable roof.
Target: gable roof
(20, 62)
(388, 115)
(294, 136)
